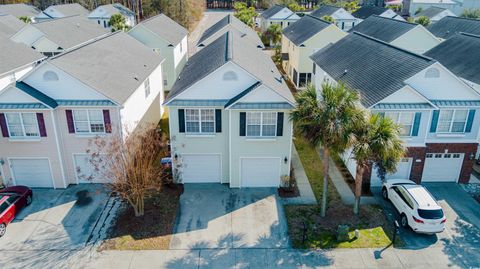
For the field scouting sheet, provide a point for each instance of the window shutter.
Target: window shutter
(71, 126)
(279, 123)
(416, 123)
(243, 122)
(107, 121)
(3, 125)
(471, 115)
(41, 125)
(218, 120)
(181, 120)
(433, 127)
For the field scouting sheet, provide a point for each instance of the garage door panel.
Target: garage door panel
(442, 167)
(260, 172)
(403, 172)
(32, 172)
(201, 168)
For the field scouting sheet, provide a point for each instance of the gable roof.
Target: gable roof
(374, 68)
(14, 55)
(385, 29)
(9, 25)
(430, 12)
(70, 31)
(68, 9)
(366, 11)
(448, 26)
(231, 47)
(19, 10)
(304, 29)
(270, 12)
(166, 28)
(325, 10)
(120, 62)
(460, 54)
(116, 8)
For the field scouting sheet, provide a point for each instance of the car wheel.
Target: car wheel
(384, 193)
(3, 229)
(404, 221)
(29, 199)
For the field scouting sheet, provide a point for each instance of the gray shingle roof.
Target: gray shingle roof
(385, 29)
(19, 10)
(166, 28)
(69, 9)
(367, 11)
(375, 68)
(14, 55)
(71, 31)
(231, 47)
(304, 29)
(268, 13)
(460, 54)
(9, 25)
(448, 26)
(430, 12)
(325, 10)
(120, 65)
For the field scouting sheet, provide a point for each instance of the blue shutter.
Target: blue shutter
(243, 122)
(433, 127)
(279, 123)
(416, 123)
(218, 120)
(181, 120)
(471, 116)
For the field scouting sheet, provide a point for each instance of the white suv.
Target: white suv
(417, 208)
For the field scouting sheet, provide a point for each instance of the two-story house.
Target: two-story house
(61, 11)
(277, 14)
(168, 39)
(98, 89)
(436, 110)
(410, 36)
(102, 14)
(342, 18)
(20, 10)
(449, 26)
(367, 11)
(302, 39)
(229, 117)
(435, 14)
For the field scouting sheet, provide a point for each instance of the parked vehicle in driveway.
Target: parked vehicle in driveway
(417, 207)
(12, 200)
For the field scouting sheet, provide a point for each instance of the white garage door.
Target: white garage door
(442, 167)
(85, 171)
(201, 168)
(260, 172)
(403, 172)
(32, 172)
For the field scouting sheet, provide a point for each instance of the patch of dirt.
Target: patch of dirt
(348, 177)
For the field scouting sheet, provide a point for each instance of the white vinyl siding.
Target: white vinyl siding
(88, 121)
(261, 124)
(200, 121)
(452, 121)
(404, 119)
(22, 125)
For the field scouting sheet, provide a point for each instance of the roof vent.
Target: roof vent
(78, 25)
(135, 77)
(345, 72)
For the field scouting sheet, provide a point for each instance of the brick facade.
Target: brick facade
(418, 156)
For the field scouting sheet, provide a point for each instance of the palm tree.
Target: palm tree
(274, 34)
(376, 140)
(326, 120)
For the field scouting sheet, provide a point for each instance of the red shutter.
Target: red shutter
(3, 125)
(106, 120)
(71, 126)
(41, 125)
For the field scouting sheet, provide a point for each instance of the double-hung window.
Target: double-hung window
(404, 119)
(452, 121)
(200, 121)
(22, 125)
(88, 121)
(261, 124)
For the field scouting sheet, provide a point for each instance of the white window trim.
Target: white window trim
(24, 136)
(261, 136)
(451, 122)
(397, 121)
(200, 133)
(89, 122)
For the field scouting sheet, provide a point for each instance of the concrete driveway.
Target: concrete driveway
(460, 241)
(61, 219)
(215, 216)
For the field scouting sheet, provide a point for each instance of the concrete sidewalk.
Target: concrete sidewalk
(306, 193)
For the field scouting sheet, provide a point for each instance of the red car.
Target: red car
(12, 200)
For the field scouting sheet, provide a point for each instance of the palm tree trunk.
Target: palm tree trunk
(358, 188)
(323, 208)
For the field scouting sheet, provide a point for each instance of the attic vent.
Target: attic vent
(50, 76)
(432, 73)
(230, 76)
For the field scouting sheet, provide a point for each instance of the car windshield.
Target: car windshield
(430, 213)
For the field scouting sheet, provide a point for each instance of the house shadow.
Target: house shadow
(462, 247)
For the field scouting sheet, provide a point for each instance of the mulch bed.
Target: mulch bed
(288, 193)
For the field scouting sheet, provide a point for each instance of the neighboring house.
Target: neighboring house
(343, 19)
(435, 13)
(54, 36)
(413, 7)
(10, 25)
(48, 119)
(168, 39)
(229, 23)
(465, 5)
(102, 14)
(277, 14)
(449, 26)
(61, 11)
(229, 117)
(20, 10)
(436, 110)
(410, 36)
(15, 61)
(367, 11)
(302, 39)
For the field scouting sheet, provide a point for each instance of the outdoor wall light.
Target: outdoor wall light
(176, 156)
(2, 161)
(472, 156)
(285, 159)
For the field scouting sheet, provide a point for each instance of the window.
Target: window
(314, 68)
(50, 76)
(429, 155)
(456, 155)
(452, 121)
(12, 199)
(404, 119)
(304, 79)
(404, 196)
(22, 125)
(88, 121)
(98, 21)
(200, 121)
(165, 82)
(146, 85)
(104, 24)
(261, 123)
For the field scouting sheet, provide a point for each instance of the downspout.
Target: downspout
(58, 148)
